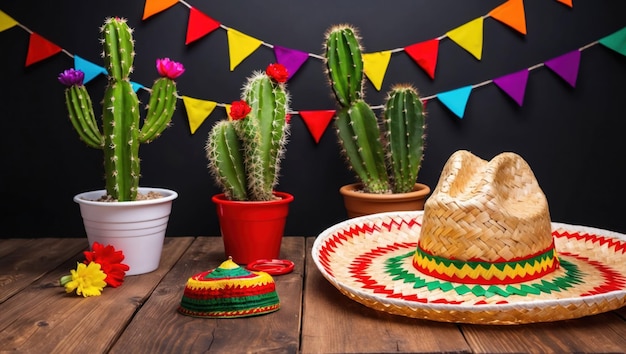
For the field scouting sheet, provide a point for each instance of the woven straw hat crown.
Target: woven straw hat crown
(486, 210)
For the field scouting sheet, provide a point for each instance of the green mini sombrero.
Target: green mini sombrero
(229, 291)
(483, 251)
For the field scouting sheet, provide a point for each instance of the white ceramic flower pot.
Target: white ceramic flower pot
(137, 228)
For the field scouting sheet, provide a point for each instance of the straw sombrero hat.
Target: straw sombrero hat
(483, 251)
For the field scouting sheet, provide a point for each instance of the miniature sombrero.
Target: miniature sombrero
(483, 251)
(229, 291)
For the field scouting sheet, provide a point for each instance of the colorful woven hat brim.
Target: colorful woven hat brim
(370, 260)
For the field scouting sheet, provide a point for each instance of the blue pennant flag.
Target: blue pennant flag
(90, 69)
(456, 100)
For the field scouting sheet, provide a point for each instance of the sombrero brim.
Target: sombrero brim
(369, 259)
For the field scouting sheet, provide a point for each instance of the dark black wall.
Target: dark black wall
(572, 137)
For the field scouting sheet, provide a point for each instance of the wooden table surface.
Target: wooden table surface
(37, 316)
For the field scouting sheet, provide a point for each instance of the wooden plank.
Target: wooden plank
(23, 261)
(159, 328)
(604, 333)
(332, 323)
(44, 319)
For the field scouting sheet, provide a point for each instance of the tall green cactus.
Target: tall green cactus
(384, 161)
(245, 153)
(121, 132)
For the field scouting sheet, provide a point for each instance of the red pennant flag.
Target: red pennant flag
(511, 13)
(317, 122)
(40, 48)
(199, 25)
(425, 55)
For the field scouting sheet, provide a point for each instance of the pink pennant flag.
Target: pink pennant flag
(425, 55)
(566, 66)
(317, 122)
(40, 48)
(514, 85)
(290, 58)
(199, 25)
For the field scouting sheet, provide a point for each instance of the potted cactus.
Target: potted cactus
(244, 154)
(115, 216)
(385, 154)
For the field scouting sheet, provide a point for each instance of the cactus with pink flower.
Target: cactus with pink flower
(121, 132)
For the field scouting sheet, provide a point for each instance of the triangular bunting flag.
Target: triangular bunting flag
(511, 13)
(470, 37)
(197, 111)
(6, 22)
(375, 66)
(199, 25)
(317, 122)
(90, 69)
(240, 46)
(566, 66)
(153, 7)
(39, 49)
(514, 85)
(425, 55)
(456, 100)
(290, 58)
(227, 108)
(136, 86)
(566, 2)
(616, 41)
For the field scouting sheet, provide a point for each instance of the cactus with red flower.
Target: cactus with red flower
(121, 132)
(245, 151)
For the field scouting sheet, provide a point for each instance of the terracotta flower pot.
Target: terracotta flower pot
(252, 230)
(359, 203)
(137, 228)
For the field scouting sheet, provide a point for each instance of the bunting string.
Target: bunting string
(468, 36)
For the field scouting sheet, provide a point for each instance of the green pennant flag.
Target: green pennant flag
(616, 41)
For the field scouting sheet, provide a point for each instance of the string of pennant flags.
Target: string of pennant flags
(425, 54)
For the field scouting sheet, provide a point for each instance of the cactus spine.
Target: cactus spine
(388, 160)
(121, 133)
(245, 154)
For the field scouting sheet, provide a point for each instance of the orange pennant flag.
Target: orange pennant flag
(40, 48)
(317, 122)
(511, 13)
(470, 37)
(153, 7)
(375, 66)
(197, 111)
(566, 2)
(6, 22)
(240, 46)
(199, 25)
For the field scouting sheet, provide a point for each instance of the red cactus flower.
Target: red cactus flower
(239, 110)
(278, 72)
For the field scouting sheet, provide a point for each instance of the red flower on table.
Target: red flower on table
(110, 262)
(278, 72)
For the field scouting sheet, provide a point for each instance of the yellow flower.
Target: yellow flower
(87, 280)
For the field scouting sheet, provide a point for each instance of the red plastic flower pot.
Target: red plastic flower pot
(252, 230)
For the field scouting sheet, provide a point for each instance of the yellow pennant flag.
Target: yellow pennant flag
(240, 46)
(470, 37)
(6, 21)
(197, 111)
(375, 66)
(152, 7)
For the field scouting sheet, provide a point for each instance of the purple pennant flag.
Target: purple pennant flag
(290, 58)
(514, 85)
(566, 66)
